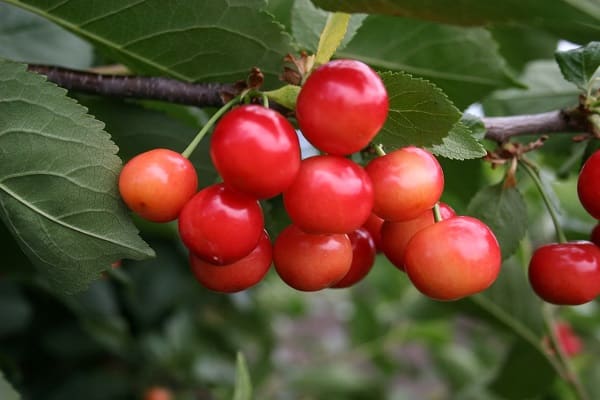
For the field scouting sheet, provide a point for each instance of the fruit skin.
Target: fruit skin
(566, 273)
(311, 262)
(453, 258)
(373, 225)
(341, 106)
(255, 150)
(588, 187)
(406, 183)
(220, 225)
(363, 258)
(396, 235)
(237, 276)
(156, 184)
(330, 194)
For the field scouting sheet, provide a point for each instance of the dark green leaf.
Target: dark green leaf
(464, 62)
(460, 144)
(198, 41)
(243, 384)
(505, 212)
(580, 65)
(6, 390)
(420, 113)
(14, 309)
(58, 191)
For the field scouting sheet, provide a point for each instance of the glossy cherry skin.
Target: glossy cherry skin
(330, 194)
(341, 106)
(373, 224)
(221, 225)
(595, 235)
(588, 185)
(363, 258)
(256, 151)
(407, 182)
(157, 184)
(311, 262)
(566, 273)
(395, 235)
(453, 258)
(237, 276)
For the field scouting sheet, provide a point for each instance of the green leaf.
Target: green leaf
(30, 38)
(285, 95)
(420, 113)
(580, 65)
(243, 384)
(546, 91)
(460, 144)
(6, 390)
(575, 20)
(464, 62)
(58, 191)
(197, 40)
(505, 212)
(331, 37)
(15, 309)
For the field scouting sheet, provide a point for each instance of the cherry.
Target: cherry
(156, 184)
(221, 225)
(373, 225)
(237, 276)
(158, 393)
(568, 339)
(330, 194)
(566, 273)
(406, 183)
(341, 106)
(396, 235)
(453, 258)
(255, 150)
(595, 235)
(311, 262)
(588, 188)
(363, 258)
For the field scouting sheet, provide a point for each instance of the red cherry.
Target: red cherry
(568, 339)
(158, 393)
(595, 235)
(311, 262)
(566, 273)
(396, 235)
(373, 225)
(256, 151)
(406, 182)
(220, 225)
(330, 194)
(237, 276)
(341, 106)
(588, 187)
(363, 258)
(453, 258)
(157, 184)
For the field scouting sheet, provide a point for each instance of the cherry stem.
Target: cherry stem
(533, 173)
(379, 150)
(437, 214)
(194, 143)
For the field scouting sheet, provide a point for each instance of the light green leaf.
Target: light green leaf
(420, 113)
(460, 144)
(243, 384)
(196, 40)
(464, 62)
(6, 390)
(505, 212)
(580, 65)
(285, 95)
(58, 191)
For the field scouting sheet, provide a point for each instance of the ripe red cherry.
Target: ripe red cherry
(566, 273)
(237, 276)
(373, 225)
(569, 340)
(255, 150)
(220, 225)
(595, 235)
(330, 194)
(341, 106)
(453, 258)
(157, 184)
(396, 235)
(588, 187)
(363, 258)
(407, 182)
(311, 262)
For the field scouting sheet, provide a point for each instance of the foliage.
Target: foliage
(74, 327)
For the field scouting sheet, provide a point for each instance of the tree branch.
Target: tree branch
(498, 129)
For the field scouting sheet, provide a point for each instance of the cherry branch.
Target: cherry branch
(498, 129)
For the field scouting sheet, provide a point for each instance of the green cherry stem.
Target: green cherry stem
(533, 173)
(437, 214)
(379, 150)
(194, 143)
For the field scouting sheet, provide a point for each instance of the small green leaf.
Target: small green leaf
(285, 95)
(58, 183)
(331, 37)
(505, 212)
(243, 384)
(420, 113)
(460, 144)
(580, 65)
(6, 390)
